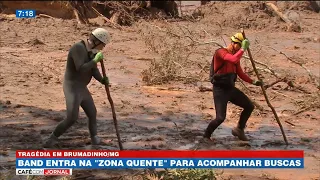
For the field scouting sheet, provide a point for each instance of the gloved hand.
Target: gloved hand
(245, 44)
(98, 57)
(257, 83)
(105, 81)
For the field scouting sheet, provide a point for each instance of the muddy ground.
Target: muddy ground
(168, 116)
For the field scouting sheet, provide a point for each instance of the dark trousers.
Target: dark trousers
(221, 98)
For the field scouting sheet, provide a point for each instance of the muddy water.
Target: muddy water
(171, 116)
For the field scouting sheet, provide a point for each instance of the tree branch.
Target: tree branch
(312, 77)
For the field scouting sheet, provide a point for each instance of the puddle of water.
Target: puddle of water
(186, 147)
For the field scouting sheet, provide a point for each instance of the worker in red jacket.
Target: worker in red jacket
(225, 68)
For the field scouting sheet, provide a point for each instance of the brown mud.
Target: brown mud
(171, 116)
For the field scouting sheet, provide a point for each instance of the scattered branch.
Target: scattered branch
(166, 88)
(141, 58)
(202, 68)
(276, 92)
(45, 16)
(276, 82)
(303, 110)
(205, 89)
(206, 32)
(260, 63)
(290, 123)
(205, 43)
(223, 41)
(300, 64)
(194, 42)
(300, 88)
(258, 51)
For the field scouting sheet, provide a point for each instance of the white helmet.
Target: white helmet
(102, 35)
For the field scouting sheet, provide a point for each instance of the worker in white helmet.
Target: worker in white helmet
(80, 68)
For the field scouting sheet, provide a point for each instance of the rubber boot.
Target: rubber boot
(239, 133)
(95, 140)
(51, 142)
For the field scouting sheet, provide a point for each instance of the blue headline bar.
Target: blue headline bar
(128, 163)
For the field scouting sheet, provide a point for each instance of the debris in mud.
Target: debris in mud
(36, 41)
(174, 49)
(306, 140)
(204, 89)
(161, 146)
(4, 153)
(293, 125)
(154, 139)
(28, 137)
(4, 106)
(8, 102)
(316, 39)
(124, 114)
(272, 143)
(168, 113)
(244, 144)
(18, 106)
(84, 175)
(45, 131)
(114, 13)
(167, 119)
(268, 177)
(57, 118)
(292, 25)
(207, 117)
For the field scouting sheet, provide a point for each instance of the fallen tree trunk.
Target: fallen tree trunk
(291, 26)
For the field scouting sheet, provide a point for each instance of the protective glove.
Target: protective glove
(245, 44)
(257, 83)
(98, 57)
(105, 81)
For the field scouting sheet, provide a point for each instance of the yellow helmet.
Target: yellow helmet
(238, 38)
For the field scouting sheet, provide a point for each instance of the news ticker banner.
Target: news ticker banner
(105, 159)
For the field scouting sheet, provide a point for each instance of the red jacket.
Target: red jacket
(232, 63)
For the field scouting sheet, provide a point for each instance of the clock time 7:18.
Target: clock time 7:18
(25, 13)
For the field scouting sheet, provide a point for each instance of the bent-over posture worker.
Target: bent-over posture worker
(225, 68)
(80, 68)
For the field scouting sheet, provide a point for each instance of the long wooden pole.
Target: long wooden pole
(264, 93)
(112, 106)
